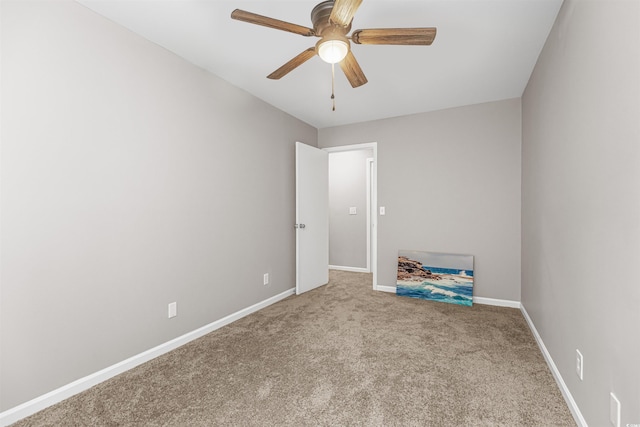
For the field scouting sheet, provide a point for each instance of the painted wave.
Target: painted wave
(453, 293)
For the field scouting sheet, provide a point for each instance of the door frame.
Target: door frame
(370, 210)
(373, 226)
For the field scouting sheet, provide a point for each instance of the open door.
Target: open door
(312, 218)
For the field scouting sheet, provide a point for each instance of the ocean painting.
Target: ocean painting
(435, 276)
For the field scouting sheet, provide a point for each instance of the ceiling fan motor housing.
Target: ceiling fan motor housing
(321, 24)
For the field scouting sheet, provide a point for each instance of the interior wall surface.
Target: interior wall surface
(347, 190)
(130, 180)
(581, 203)
(450, 182)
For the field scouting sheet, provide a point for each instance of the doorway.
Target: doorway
(353, 201)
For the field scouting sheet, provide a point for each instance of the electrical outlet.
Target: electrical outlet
(173, 309)
(579, 364)
(265, 279)
(614, 410)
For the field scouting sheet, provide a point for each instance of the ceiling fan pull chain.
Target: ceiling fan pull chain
(333, 79)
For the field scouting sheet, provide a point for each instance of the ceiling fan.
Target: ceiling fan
(332, 22)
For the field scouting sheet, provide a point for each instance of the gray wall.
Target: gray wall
(581, 202)
(130, 179)
(450, 182)
(348, 188)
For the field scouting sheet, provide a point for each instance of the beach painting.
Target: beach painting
(435, 276)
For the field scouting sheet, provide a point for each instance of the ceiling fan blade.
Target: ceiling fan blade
(352, 70)
(293, 64)
(254, 18)
(397, 36)
(343, 11)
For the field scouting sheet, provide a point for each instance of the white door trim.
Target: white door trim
(370, 208)
(374, 200)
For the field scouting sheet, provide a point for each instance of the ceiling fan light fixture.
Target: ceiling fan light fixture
(333, 51)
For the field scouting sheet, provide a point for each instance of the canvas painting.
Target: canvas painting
(435, 276)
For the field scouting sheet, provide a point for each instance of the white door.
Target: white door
(312, 218)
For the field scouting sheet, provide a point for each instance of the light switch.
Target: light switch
(353, 210)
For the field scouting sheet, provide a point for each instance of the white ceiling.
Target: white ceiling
(484, 51)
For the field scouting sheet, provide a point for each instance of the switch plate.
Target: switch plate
(353, 210)
(173, 309)
(382, 210)
(614, 410)
(579, 364)
(265, 279)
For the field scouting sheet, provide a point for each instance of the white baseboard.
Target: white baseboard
(477, 300)
(19, 412)
(390, 289)
(353, 269)
(573, 406)
(496, 302)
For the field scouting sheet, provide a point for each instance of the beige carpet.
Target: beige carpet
(339, 355)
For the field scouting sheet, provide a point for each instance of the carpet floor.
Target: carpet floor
(340, 355)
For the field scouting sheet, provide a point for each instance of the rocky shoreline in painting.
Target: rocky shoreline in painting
(411, 270)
